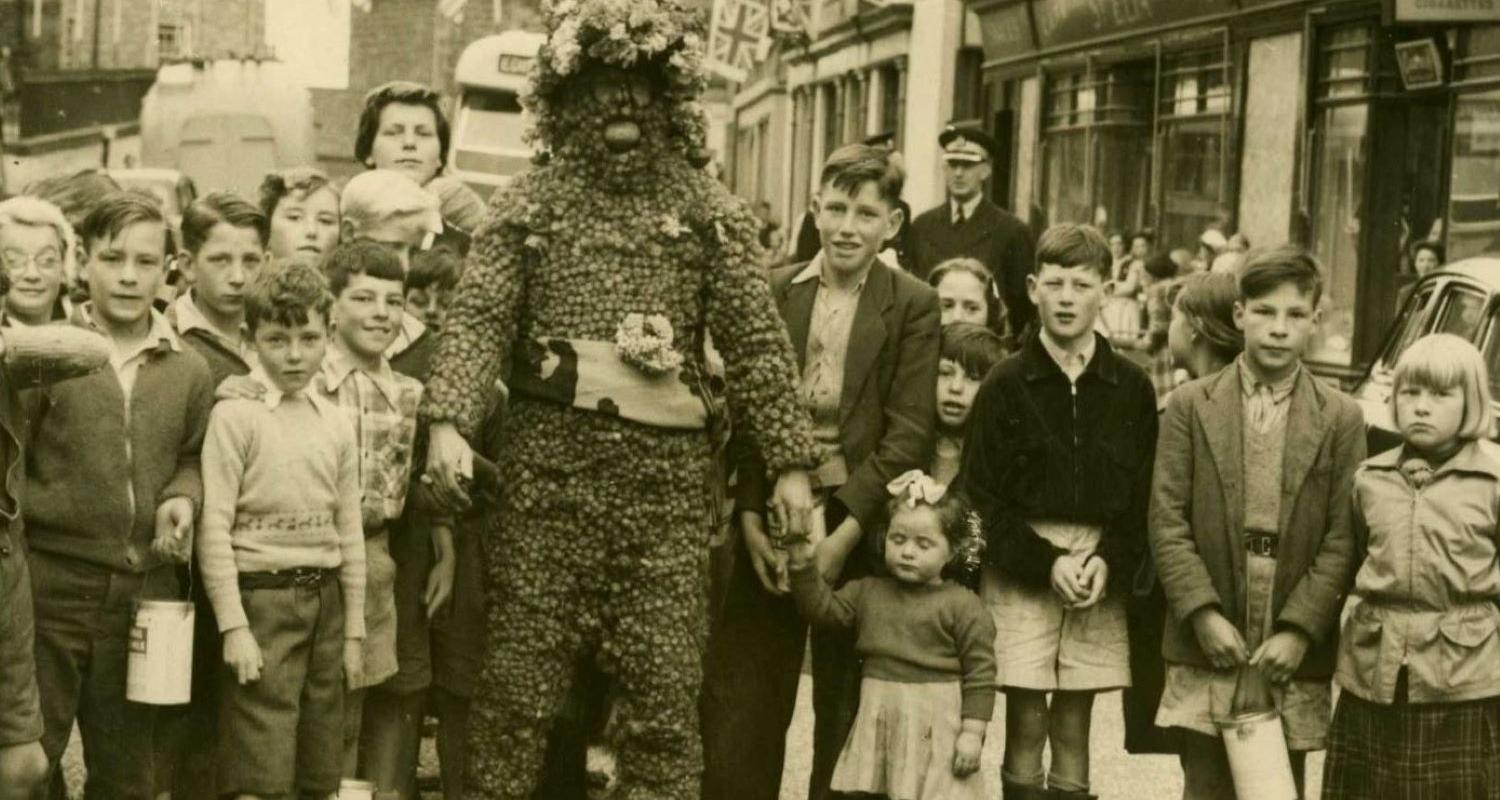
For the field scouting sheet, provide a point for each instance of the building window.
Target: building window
(167, 41)
(1474, 186)
(833, 117)
(1098, 146)
(1194, 123)
(891, 101)
(1341, 94)
(968, 84)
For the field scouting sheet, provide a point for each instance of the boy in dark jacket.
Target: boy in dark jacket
(1057, 462)
(112, 485)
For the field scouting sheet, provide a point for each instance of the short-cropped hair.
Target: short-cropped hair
(209, 210)
(438, 267)
(406, 93)
(287, 296)
(973, 347)
(852, 166)
(1267, 268)
(34, 212)
(300, 181)
(361, 258)
(381, 194)
(1069, 244)
(115, 213)
(1439, 362)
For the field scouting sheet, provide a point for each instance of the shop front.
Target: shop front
(1357, 128)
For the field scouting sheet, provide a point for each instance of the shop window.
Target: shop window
(1098, 146)
(968, 83)
(1340, 124)
(1474, 186)
(1194, 127)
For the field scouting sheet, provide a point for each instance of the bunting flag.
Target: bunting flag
(739, 37)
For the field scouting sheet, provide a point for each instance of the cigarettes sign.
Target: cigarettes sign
(1446, 10)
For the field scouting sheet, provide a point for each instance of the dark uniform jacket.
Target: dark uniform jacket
(993, 236)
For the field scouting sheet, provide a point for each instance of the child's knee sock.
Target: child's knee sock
(1022, 787)
(1038, 779)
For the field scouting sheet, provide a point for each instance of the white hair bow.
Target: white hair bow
(916, 485)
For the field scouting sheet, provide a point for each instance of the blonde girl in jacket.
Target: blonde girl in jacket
(1419, 716)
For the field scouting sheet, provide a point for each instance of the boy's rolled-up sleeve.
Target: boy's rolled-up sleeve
(1315, 601)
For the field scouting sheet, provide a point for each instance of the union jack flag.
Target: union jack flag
(739, 38)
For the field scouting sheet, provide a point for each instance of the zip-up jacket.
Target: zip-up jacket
(1040, 447)
(94, 477)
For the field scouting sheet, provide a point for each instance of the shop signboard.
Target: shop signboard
(1443, 11)
(1005, 29)
(1063, 22)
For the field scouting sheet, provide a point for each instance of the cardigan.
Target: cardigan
(1037, 449)
(95, 477)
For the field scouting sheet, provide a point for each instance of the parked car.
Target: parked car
(1462, 298)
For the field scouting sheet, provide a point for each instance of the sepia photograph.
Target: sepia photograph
(749, 399)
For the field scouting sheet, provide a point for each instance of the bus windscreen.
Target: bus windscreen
(491, 120)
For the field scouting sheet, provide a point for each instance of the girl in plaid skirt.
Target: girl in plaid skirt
(1419, 716)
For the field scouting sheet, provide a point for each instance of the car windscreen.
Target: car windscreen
(1410, 325)
(1461, 312)
(491, 121)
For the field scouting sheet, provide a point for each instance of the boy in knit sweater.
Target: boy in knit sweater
(282, 553)
(112, 484)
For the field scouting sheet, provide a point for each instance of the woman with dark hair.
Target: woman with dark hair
(1427, 256)
(403, 128)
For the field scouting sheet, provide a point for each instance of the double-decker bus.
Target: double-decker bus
(488, 147)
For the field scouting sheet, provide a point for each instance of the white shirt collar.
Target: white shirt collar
(160, 332)
(274, 395)
(411, 330)
(1072, 361)
(969, 206)
(338, 365)
(814, 269)
(189, 317)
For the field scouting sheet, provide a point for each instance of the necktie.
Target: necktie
(958, 215)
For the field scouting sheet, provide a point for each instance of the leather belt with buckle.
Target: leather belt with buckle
(1262, 544)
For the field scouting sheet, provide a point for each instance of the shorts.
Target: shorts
(448, 650)
(1043, 646)
(380, 611)
(20, 704)
(283, 733)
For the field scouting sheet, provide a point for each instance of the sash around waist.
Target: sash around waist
(589, 375)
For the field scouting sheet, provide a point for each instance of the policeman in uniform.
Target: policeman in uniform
(968, 224)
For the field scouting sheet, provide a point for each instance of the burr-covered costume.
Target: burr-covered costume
(596, 281)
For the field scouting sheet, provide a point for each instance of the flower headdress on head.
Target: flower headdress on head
(666, 37)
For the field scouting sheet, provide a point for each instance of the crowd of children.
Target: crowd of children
(1012, 511)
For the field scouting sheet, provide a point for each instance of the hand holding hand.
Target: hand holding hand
(242, 655)
(1280, 655)
(1220, 640)
(1094, 578)
(792, 503)
(450, 466)
(174, 530)
(1067, 580)
(440, 577)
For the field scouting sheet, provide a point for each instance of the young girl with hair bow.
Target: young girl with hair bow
(928, 649)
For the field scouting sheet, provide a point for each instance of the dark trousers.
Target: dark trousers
(751, 670)
(84, 614)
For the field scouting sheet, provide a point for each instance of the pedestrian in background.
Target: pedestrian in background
(1250, 526)
(1420, 707)
(302, 205)
(969, 224)
(1057, 462)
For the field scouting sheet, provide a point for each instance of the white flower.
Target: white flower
(645, 342)
(672, 226)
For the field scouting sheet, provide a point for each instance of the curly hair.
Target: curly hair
(297, 180)
(288, 296)
(952, 512)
